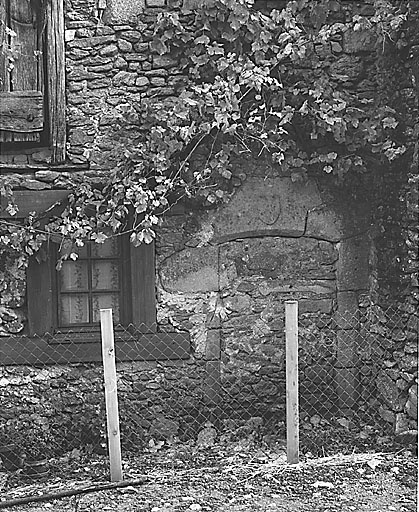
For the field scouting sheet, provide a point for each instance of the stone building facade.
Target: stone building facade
(222, 276)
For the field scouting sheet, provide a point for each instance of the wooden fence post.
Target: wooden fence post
(291, 352)
(111, 395)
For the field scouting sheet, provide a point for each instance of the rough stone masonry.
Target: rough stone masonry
(223, 275)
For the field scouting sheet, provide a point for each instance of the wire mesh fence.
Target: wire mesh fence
(53, 417)
(354, 378)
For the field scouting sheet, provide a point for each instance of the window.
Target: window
(32, 83)
(92, 282)
(117, 273)
(114, 274)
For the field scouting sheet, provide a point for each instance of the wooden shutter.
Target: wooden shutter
(21, 71)
(40, 297)
(143, 286)
(56, 80)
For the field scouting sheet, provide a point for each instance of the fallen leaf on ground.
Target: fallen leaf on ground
(327, 485)
(373, 463)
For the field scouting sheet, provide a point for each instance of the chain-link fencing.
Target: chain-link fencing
(355, 372)
(53, 415)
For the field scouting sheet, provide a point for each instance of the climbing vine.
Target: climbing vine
(251, 82)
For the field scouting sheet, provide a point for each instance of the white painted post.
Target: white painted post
(291, 356)
(111, 395)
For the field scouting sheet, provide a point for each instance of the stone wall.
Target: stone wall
(394, 259)
(273, 241)
(223, 275)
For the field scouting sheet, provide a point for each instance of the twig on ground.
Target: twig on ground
(72, 492)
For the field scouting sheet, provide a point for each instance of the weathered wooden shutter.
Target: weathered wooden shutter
(21, 71)
(40, 297)
(143, 285)
(56, 79)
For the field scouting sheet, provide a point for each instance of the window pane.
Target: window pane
(74, 309)
(103, 302)
(109, 249)
(73, 276)
(105, 275)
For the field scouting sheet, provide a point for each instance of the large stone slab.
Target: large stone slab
(358, 41)
(347, 348)
(324, 223)
(353, 264)
(194, 270)
(288, 261)
(347, 314)
(121, 11)
(389, 391)
(271, 206)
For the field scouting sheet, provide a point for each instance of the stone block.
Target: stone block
(34, 184)
(124, 78)
(193, 270)
(402, 424)
(347, 314)
(286, 262)
(69, 35)
(103, 83)
(155, 3)
(213, 345)
(346, 69)
(324, 223)
(315, 305)
(347, 348)
(411, 347)
(358, 41)
(90, 42)
(387, 415)
(389, 391)
(411, 407)
(79, 73)
(238, 303)
(265, 388)
(109, 51)
(212, 388)
(163, 61)
(133, 36)
(48, 176)
(408, 362)
(124, 45)
(142, 81)
(120, 63)
(353, 267)
(260, 207)
(122, 11)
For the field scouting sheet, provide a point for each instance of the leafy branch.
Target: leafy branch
(255, 83)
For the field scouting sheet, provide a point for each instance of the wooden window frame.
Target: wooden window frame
(123, 290)
(145, 343)
(138, 280)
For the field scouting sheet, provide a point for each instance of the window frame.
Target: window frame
(138, 281)
(124, 309)
(141, 341)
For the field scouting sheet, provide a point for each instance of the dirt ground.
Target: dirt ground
(237, 480)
